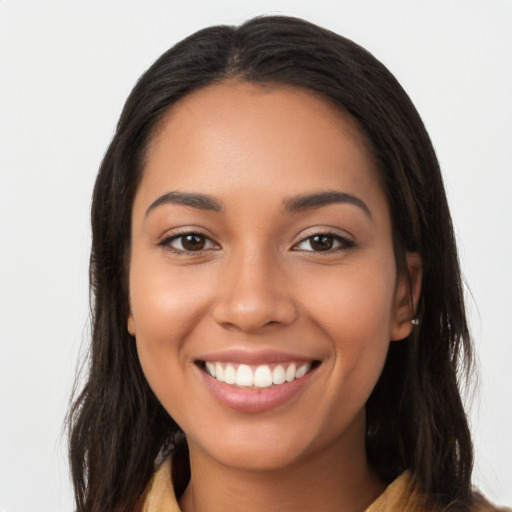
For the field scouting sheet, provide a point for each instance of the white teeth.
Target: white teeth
(211, 368)
(302, 370)
(290, 373)
(278, 375)
(219, 372)
(229, 375)
(244, 376)
(262, 376)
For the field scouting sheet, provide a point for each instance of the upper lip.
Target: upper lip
(254, 357)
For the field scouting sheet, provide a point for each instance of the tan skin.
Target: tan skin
(318, 283)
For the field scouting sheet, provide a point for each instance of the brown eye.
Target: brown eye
(193, 242)
(321, 242)
(324, 242)
(189, 242)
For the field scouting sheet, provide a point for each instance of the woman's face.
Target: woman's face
(262, 254)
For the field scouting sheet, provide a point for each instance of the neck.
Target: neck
(335, 478)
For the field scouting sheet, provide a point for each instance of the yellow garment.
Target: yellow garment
(401, 495)
(160, 497)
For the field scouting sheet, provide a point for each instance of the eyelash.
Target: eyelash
(342, 242)
(167, 243)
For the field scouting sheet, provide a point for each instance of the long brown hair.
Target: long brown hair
(415, 417)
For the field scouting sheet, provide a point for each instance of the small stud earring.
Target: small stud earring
(415, 321)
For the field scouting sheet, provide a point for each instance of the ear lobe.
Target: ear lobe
(407, 295)
(131, 325)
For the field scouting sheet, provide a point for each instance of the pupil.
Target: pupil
(193, 242)
(321, 242)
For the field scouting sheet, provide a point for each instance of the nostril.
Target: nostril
(253, 313)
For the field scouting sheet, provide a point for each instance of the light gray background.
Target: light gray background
(65, 71)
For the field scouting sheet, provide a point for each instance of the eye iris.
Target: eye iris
(321, 242)
(193, 242)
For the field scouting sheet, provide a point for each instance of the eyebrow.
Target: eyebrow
(199, 201)
(294, 204)
(324, 198)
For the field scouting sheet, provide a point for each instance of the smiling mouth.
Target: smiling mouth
(257, 376)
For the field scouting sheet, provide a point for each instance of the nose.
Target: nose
(254, 294)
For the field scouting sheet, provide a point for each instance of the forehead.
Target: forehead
(218, 102)
(235, 135)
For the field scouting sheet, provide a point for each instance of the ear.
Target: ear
(407, 295)
(131, 324)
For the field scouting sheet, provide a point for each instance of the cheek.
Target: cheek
(165, 303)
(166, 307)
(354, 300)
(355, 317)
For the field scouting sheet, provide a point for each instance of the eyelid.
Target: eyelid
(346, 241)
(177, 233)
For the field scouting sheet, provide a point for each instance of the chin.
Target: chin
(260, 446)
(258, 459)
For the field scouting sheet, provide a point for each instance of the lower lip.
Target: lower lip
(254, 400)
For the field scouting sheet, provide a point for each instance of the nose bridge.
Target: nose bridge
(253, 292)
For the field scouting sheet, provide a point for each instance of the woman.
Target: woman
(278, 310)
